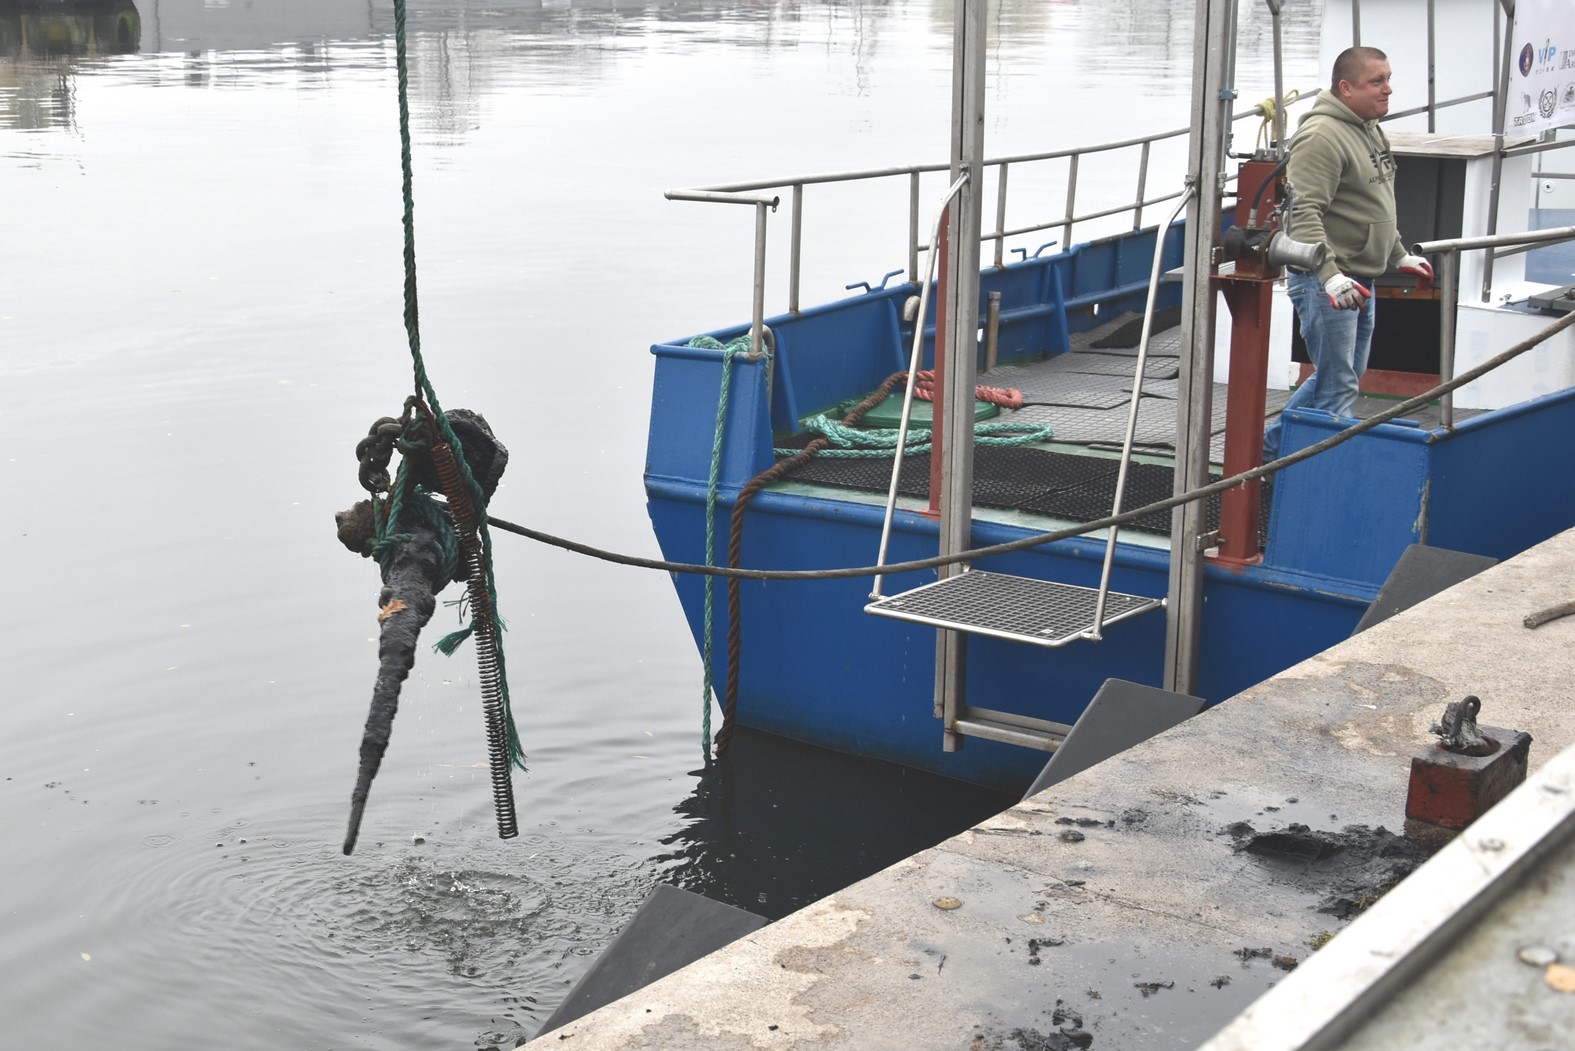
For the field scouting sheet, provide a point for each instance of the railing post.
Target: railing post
(1137, 214)
(1500, 111)
(913, 228)
(795, 249)
(757, 318)
(1000, 217)
(1071, 199)
(1205, 176)
(1432, 85)
(1449, 303)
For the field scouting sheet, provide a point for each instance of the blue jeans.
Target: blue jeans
(1338, 342)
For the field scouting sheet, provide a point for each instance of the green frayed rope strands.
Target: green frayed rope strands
(423, 386)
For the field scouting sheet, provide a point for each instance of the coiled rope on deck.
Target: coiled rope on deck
(852, 442)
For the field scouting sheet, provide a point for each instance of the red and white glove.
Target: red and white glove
(1345, 294)
(1419, 268)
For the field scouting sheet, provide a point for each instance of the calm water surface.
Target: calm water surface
(200, 314)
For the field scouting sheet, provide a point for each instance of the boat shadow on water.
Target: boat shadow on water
(774, 824)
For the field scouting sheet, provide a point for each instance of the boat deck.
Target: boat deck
(1084, 396)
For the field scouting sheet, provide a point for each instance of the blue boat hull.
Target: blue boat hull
(815, 667)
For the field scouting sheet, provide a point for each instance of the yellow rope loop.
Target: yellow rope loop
(1266, 128)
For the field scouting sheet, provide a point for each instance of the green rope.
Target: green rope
(737, 346)
(423, 385)
(849, 442)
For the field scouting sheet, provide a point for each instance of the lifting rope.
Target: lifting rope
(460, 544)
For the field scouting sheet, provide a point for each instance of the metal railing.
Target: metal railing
(1449, 289)
(748, 193)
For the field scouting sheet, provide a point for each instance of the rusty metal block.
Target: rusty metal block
(1448, 790)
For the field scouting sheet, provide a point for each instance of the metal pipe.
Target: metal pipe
(1542, 147)
(795, 249)
(1233, 15)
(1461, 101)
(1205, 176)
(1137, 214)
(1449, 303)
(1466, 244)
(1279, 77)
(1356, 23)
(992, 330)
(757, 316)
(957, 375)
(720, 197)
(1000, 216)
(1500, 106)
(1432, 84)
(913, 227)
(915, 358)
(1071, 199)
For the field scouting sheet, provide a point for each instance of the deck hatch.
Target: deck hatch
(1020, 609)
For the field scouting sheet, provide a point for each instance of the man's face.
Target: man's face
(1368, 95)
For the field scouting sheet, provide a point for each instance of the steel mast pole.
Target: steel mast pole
(1211, 101)
(961, 299)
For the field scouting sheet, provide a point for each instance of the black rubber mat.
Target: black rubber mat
(1129, 334)
(1063, 485)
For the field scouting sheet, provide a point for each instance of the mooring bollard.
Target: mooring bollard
(1459, 778)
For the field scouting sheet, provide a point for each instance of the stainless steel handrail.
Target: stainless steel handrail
(733, 193)
(1449, 288)
(757, 314)
(914, 361)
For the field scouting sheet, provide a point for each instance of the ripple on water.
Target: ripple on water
(461, 927)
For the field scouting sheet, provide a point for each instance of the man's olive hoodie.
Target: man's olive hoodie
(1344, 173)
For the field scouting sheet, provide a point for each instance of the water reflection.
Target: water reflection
(40, 47)
(777, 825)
(107, 27)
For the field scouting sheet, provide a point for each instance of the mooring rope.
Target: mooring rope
(735, 547)
(1007, 547)
(728, 350)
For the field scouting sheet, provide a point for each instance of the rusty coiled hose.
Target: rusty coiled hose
(484, 629)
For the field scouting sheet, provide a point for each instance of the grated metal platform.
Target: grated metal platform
(1021, 609)
(1083, 396)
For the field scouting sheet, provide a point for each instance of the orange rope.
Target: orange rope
(1005, 397)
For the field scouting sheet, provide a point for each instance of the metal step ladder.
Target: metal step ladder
(1019, 609)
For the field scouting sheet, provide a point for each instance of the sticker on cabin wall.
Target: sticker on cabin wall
(1539, 97)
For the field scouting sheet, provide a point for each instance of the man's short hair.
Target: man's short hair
(1350, 63)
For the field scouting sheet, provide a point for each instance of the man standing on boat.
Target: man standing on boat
(1343, 173)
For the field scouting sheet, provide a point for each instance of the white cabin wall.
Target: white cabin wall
(1463, 55)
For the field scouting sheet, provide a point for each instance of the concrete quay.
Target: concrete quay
(1127, 907)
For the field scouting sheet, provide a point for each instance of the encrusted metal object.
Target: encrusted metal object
(1458, 728)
